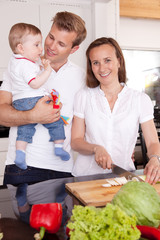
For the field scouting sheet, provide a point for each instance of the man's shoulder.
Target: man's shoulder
(72, 71)
(84, 91)
(74, 66)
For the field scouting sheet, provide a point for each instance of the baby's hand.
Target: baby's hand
(46, 64)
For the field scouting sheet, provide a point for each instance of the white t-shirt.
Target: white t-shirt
(116, 131)
(23, 70)
(67, 81)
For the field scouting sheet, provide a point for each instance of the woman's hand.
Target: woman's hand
(152, 171)
(102, 158)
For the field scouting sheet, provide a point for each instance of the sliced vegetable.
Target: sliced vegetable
(139, 199)
(46, 217)
(115, 181)
(150, 233)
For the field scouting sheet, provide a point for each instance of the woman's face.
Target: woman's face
(105, 64)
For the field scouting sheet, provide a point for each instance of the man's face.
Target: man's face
(58, 46)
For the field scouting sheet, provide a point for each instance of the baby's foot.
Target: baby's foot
(20, 159)
(60, 152)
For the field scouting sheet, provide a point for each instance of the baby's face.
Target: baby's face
(32, 47)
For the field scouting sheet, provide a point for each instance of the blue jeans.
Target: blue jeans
(15, 176)
(26, 132)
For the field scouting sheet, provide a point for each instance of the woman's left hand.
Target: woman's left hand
(152, 171)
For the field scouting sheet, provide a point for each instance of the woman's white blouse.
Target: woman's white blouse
(115, 130)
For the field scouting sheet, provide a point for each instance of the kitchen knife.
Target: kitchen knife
(124, 173)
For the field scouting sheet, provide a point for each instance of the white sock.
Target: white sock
(58, 145)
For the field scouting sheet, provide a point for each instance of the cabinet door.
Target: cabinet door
(12, 12)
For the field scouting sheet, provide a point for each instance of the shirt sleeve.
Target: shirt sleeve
(80, 103)
(6, 84)
(146, 108)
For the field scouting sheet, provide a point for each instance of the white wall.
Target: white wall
(101, 17)
(131, 33)
(106, 18)
(139, 33)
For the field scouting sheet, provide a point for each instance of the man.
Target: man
(66, 34)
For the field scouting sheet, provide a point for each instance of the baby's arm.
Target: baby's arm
(42, 78)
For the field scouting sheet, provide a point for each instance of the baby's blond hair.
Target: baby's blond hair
(19, 31)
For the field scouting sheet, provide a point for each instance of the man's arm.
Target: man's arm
(41, 113)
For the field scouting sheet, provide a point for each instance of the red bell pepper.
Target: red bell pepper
(150, 233)
(46, 217)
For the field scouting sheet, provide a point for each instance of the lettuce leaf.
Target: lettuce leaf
(110, 222)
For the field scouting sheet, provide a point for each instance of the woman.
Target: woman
(107, 115)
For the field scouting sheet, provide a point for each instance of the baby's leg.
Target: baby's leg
(22, 202)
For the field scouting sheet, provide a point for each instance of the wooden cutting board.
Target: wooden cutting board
(92, 193)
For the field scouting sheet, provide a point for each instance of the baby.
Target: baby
(28, 77)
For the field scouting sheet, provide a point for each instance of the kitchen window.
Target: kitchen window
(143, 72)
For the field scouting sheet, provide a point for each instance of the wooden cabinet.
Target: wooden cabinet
(140, 9)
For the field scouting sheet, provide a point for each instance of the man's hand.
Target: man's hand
(44, 113)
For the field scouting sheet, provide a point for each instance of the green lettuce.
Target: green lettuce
(140, 199)
(110, 222)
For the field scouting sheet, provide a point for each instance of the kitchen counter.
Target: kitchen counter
(42, 192)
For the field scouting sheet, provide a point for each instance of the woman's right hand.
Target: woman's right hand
(102, 158)
(43, 112)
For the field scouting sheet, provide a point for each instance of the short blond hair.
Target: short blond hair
(71, 22)
(19, 31)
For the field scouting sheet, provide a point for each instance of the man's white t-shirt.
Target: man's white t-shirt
(67, 81)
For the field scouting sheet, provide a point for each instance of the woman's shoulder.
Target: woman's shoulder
(135, 91)
(138, 95)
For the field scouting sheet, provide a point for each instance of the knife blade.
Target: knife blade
(124, 173)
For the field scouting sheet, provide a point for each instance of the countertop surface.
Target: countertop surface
(42, 192)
